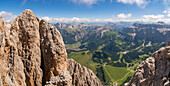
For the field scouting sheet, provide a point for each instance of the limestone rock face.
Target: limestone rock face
(53, 51)
(81, 76)
(154, 71)
(21, 55)
(63, 79)
(26, 29)
(0, 78)
(32, 53)
(21, 52)
(75, 75)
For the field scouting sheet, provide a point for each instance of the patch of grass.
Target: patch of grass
(75, 45)
(116, 74)
(120, 82)
(120, 57)
(85, 59)
(143, 56)
(80, 57)
(100, 47)
(108, 78)
(119, 60)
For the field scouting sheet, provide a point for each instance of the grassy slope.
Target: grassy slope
(75, 45)
(84, 58)
(116, 74)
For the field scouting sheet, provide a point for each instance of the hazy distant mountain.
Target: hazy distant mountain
(73, 33)
(158, 32)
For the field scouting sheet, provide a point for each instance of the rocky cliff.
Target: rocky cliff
(32, 53)
(154, 71)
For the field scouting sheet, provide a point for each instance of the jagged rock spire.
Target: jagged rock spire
(32, 52)
(22, 57)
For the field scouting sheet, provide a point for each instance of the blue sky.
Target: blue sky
(89, 10)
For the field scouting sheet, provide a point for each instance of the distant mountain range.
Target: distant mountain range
(158, 32)
(112, 51)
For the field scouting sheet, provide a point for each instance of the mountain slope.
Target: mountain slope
(154, 71)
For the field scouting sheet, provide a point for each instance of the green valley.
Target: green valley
(113, 54)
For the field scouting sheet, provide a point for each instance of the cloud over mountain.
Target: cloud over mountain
(124, 16)
(7, 16)
(153, 17)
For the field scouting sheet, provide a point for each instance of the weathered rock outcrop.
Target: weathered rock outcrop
(81, 76)
(154, 71)
(0, 77)
(53, 51)
(32, 53)
(12, 64)
(76, 75)
(63, 79)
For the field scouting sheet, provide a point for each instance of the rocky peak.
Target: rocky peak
(53, 51)
(32, 53)
(154, 71)
(27, 11)
(28, 14)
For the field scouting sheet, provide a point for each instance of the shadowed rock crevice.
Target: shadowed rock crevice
(42, 67)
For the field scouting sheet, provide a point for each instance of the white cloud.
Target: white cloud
(168, 15)
(119, 17)
(146, 18)
(153, 16)
(7, 16)
(165, 11)
(122, 15)
(167, 7)
(140, 3)
(75, 19)
(87, 2)
(65, 20)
